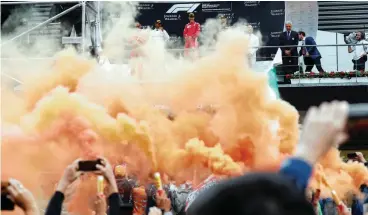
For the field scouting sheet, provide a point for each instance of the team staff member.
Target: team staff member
(310, 54)
(191, 33)
(289, 54)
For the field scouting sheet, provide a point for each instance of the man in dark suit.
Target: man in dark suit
(289, 54)
(310, 54)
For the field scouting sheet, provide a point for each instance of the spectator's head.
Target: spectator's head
(359, 35)
(301, 35)
(138, 25)
(252, 194)
(223, 19)
(288, 25)
(250, 29)
(191, 17)
(120, 170)
(158, 24)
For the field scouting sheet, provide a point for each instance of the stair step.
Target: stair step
(37, 19)
(41, 13)
(43, 9)
(346, 21)
(44, 5)
(339, 3)
(344, 31)
(344, 17)
(340, 13)
(329, 27)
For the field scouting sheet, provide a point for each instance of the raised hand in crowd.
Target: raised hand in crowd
(344, 210)
(154, 211)
(323, 128)
(100, 206)
(360, 157)
(106, 170)
(70, 175)
(21, 197)
(163, 202)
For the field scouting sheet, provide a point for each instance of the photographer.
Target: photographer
(14, 192)
(71, 174)
(360, 49)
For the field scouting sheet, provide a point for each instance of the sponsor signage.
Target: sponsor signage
(145, 6)
(252, 3)
(278, 12)
(217, 7)
(189, 8)
(266, 17)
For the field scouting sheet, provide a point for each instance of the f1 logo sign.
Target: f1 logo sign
(189, 8)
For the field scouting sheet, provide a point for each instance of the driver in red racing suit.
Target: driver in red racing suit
(191, 33)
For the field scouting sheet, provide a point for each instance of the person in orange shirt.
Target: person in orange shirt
(191, 34)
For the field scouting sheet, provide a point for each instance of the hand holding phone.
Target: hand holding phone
(6, 203)
(16, 194)
(89, 165)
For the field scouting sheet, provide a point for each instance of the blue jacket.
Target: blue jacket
(357, 207)
(298, 170)
(313, 51)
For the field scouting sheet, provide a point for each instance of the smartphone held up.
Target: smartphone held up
(6, 203)
(89, 165)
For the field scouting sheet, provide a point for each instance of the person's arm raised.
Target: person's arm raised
(22, 197)
(323, 129)
(70, 175)
(113, 196)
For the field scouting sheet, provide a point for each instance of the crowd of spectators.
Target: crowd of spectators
(255, 193)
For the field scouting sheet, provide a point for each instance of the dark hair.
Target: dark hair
(253, 194)
(302, 33)
(362, 35)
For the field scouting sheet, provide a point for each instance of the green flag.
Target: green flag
(272, 81)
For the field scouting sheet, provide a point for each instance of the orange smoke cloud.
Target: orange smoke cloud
(77, 112)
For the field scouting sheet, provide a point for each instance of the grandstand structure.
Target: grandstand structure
(343, 16)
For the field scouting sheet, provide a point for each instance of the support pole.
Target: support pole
(83, 26)
(337, 54)
(42, 24)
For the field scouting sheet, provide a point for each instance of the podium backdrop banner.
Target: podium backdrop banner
(304, 15)
(266, 17)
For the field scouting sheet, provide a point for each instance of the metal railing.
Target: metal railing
(80, 4)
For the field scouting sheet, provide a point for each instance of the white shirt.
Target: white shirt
(303, 44)
(158, 34)
(360, 50)
(253, 42)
